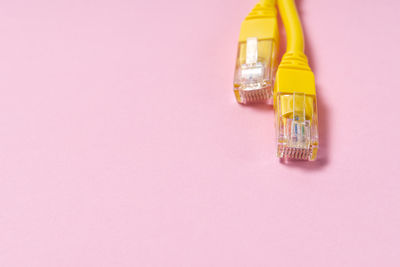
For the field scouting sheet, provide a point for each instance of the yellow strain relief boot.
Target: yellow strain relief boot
(295, 100)
(257, 55)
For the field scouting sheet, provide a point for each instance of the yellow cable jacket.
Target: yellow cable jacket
(268, 2)
(291, 21)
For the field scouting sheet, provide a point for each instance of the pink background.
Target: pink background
(121, 143)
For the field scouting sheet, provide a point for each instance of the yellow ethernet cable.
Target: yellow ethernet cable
(295, 100)
(294, 95)
(256, 61)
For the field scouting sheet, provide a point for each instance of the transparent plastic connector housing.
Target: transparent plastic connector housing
(296, 126)
(255, 71)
